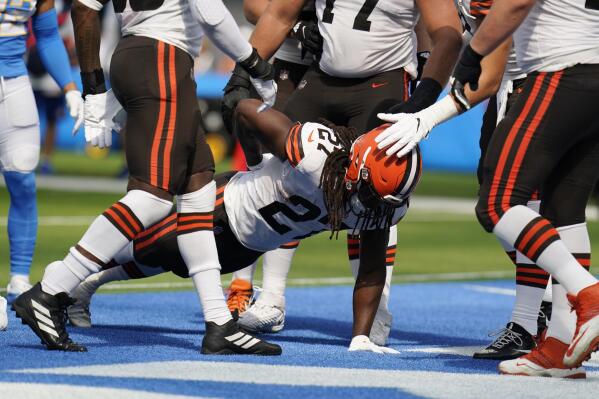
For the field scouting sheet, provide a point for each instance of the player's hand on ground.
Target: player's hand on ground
(75, 106)
(307, 33)
(361, 343)
(467, 71)
(405, 133)
(262, 76)
(100, 109)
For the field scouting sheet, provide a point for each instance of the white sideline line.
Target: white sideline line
(491, 290)
(405, 278)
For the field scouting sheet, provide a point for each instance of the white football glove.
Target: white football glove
(75, 106)
(361, 343)
(100, 109)
(409, 129)
(267, 89)
(405, 133)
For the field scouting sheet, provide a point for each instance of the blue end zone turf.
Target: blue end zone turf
(147, 346)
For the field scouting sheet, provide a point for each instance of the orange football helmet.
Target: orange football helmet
(380, 179)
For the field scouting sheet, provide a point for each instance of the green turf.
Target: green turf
(428, 243)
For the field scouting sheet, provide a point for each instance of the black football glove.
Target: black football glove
(307, 33)
(467, 70)
(425, 95)
(238, 87)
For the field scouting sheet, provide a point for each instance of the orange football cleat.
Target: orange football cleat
(546, 360)
(586, 336)
(241, 294)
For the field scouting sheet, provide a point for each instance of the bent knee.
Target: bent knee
(483, 215)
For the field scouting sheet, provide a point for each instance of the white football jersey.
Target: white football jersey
(169, 21)
(14, 16)
(364, 38)
(281, 202)
(558, 34)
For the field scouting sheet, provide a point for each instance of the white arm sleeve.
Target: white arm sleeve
(221, 28)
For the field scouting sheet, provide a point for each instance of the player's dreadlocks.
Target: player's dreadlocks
(333, 173)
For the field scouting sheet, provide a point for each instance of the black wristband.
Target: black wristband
(257, 67)
(93, 82)
(425, 95)
(470, 57)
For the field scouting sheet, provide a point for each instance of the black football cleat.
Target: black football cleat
(46, 315)
(544, 317)
(229, 339)
(512, 341)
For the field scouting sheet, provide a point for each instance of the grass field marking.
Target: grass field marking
(491, 290)
(432, 384)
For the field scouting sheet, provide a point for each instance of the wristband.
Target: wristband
(470, 57)
(425, 95)
(93, 82)
(257, 67)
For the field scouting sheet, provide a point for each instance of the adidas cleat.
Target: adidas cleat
(18, 284)
(241, 294)
(45, 314)
(586, 336)
(546, 360)
(3, 315)
(512, 341)
(381, 327)
(229, 339)
(267, 314)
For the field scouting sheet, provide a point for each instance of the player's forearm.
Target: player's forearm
(493, 67)
(220, 26)
(446, 42)
(51, 48)
(274, 26)
(504, 18)
(86, 24)
(370, 281)
(253, 9)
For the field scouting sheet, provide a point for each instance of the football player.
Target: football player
(290, 64)
(322, 177)
(19, 125)
(549, 140)
(152, 80)
(367, 62)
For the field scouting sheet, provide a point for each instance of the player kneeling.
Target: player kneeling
(321, 177)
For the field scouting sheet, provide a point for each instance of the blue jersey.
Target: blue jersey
(14, 15)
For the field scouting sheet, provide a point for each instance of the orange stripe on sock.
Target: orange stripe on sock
(527, 237)
(532, 280)
(205, 218)
(128, 216)
(532, 271)
(120, 222)
(195, 226)
(548, 234)
(152, 229)
(155, 237)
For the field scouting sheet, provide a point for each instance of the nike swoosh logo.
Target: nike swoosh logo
(521, 364)
(377, 85)
(310, 138)
(573, 345)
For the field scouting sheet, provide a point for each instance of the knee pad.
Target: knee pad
(22, 150)
(148, 208)
(482, 214)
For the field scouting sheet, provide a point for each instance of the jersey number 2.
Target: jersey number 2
(361, 21)
(269, 211)
(137, 5)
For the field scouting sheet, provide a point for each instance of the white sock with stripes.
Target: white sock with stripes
(555, 259)
(563, 321)
(276, 265)
(198, 249)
